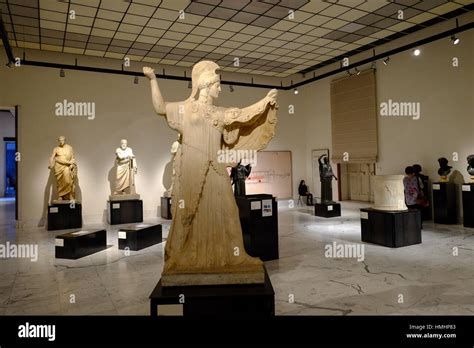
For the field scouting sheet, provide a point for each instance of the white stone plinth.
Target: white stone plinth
(389, 193)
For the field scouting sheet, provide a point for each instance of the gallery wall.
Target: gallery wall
(7, 129)
(123, 110)
(446, 97)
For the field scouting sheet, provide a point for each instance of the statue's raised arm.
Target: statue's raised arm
(158, 102)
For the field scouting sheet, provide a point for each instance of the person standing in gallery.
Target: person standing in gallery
(412, 191)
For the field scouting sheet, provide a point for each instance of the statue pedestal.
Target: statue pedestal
(166, 208)
(139, 236)
(64, 215)
(390, 228)
(427, 212)
(259, 220)
(468, 204)
(327, 210)
(214, 301)
(74, 245)
(444, 203)
(125, 211)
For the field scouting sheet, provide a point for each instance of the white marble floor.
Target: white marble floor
(419, 279)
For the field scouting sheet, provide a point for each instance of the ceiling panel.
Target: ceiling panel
(270, 37)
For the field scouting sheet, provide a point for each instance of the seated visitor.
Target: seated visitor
(303, 191)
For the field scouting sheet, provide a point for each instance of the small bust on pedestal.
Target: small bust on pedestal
(444, 169)
(126, 170)
(470, 167)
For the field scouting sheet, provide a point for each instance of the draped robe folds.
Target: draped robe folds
(65, 173)
(124, 169)
(205, 237)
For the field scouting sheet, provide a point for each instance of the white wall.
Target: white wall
(123, 110)
(7, 129)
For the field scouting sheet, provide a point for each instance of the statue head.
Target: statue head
(470, 160)
(443, 162)
(123, 144)
(62, 140)
(326, 159)
(204, 77)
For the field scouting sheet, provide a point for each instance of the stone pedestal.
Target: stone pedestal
(444, 203)
(74, 245)
(215, 301)
(64, 215)
(468, 204)
(391, 228)
(125, 212)
(327, 209)
(139, 236)
(259, 225)
(166, 208)
(389, 193)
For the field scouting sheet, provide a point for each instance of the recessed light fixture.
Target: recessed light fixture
(416, 52)
(231, 88)
(62, 73)
(190, 85)
(386, 61)
(135, 80)
(357, 71)
(455, 40)
(295, 91)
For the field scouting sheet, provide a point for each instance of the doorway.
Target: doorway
(357, 181)
(8, 165)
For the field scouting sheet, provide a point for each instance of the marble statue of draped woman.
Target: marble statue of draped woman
(205, 243)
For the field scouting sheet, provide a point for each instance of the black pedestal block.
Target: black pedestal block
(64, 216)
(251, 301)
(468, 204)
(444, 203)
(327, 210)
(391, 229)
(125, 212)
(166, 208)
(427, 212)
(260, 232)
(139, 236)
(74, 245)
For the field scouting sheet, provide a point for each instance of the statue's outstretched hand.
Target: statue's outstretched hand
(273, 96)
(149, 72)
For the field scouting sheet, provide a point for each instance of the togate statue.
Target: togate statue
(126, 165)
(63, 163)
(205, 243)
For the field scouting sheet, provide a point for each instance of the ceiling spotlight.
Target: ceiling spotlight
(386, 61)
(62, 73)
(416, 52)
(231, 88)
(135, 80)
(357, 71)
(295, 91)
(455, 40)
